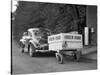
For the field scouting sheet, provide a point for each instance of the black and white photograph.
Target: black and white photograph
(51, 37)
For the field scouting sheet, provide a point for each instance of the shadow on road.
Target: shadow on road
(39, 54)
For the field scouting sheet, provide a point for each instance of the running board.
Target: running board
(42, 51)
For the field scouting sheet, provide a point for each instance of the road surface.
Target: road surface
(22, 63)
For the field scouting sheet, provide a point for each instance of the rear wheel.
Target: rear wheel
(32, 50)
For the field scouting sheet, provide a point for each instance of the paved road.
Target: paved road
(24, 64)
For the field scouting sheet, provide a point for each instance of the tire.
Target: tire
(20, 44)
(59, 58)
(32, 50)
(77, 55)
(22, 51)
(22, 47)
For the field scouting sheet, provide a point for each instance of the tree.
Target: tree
(56, 17)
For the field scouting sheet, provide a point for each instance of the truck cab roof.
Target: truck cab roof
(33, 29)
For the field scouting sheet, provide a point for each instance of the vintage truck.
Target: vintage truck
(35, 40)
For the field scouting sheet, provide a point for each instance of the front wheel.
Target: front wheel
(22, 51)
(22, 47)
(31, 50)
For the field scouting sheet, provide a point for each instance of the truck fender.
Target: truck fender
(22, 41)
(31, 42)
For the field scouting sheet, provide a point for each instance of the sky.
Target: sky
(14, 3)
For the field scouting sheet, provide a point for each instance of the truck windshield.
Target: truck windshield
(37, 33)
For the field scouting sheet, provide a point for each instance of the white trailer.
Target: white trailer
(65, 42)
